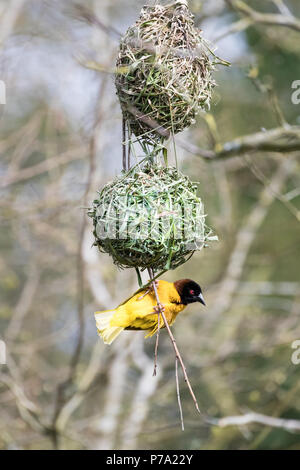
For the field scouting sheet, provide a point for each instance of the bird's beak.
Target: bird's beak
(201, 299)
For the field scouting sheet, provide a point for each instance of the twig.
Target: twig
(87, 15)
(24, 304)
(268, 89)
(124, 144)
(44, 166)
(178, 394)
(281, 140)
(160, 310)
(85, 383)
(176, 350)
(178, 356)
(242, 420)
(151, 275)
(236, 27)
(156, 346)
(269, 19)
(282, 7)
(29, 411)
(151, 123)
(265, 181)
(128, 153)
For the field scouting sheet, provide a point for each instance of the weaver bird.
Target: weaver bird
(140, 312)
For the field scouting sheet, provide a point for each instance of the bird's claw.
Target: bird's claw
(150, 289)
(159, 308)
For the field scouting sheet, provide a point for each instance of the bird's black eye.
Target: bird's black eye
(192, 292)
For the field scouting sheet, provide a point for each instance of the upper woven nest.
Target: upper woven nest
(163, 72)
(150, 217)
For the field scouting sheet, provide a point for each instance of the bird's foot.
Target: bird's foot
(159, 308)
(150, 289)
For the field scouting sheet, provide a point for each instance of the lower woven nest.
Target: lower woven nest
(151, 217)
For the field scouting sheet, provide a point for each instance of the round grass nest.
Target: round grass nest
(164, 72)
(151, 217)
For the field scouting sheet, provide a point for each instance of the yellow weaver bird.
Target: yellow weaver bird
(140, 312)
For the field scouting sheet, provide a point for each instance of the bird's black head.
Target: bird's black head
(189, 291)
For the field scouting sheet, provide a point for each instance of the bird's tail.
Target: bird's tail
(108, 333)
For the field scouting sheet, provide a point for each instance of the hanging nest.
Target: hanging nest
(151, 217)
(164, 72)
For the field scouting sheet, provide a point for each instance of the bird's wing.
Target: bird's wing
(139, 309)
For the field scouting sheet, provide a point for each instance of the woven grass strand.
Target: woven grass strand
(165, 74)
(151, 217)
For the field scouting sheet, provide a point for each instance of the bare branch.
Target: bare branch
(243, 420)
(23, 304)
(89, 16)
(279, 140)
(85, 382)
(269, 19)
(46, 165)
(176, 350)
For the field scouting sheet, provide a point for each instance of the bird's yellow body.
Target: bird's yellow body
(138, 313)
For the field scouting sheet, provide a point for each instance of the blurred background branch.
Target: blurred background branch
(285, 18)
(280, 140)
(244, 420)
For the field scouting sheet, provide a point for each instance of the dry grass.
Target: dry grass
(151, 217)
(165, 69)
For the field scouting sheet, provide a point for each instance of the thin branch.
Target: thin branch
(265, 181)
(269, 19)
(46, 165)
(178, 394)
(124, 159)
(29, 411)
(24, 304)
(151, 275)
(233, 28)
(85, 382)
(176, 350)
(282, 7)
(87, 15)
(243, 420)
(278, 140)
(151, 123)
